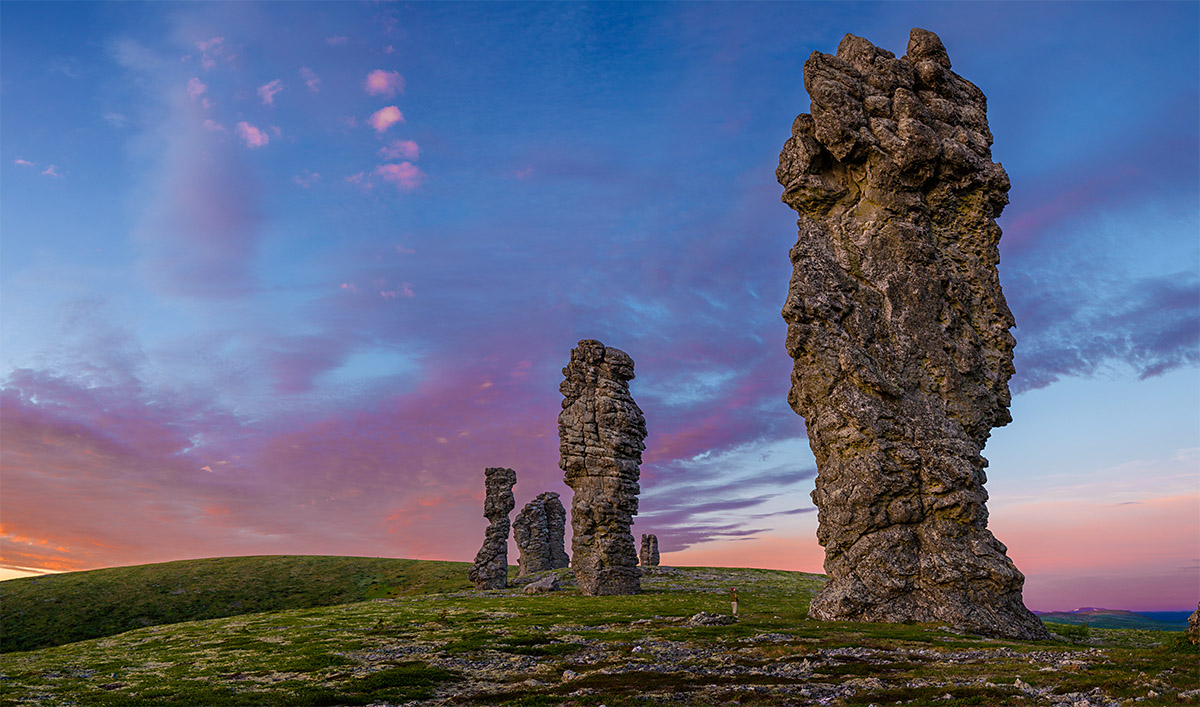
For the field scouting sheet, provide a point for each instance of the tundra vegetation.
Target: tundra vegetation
(412, 632)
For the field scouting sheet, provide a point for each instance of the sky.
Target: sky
(284, 278)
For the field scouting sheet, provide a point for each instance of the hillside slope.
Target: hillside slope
(38, 612)
(509, 648)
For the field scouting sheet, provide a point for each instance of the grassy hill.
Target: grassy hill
(466, 647)
(38, 612)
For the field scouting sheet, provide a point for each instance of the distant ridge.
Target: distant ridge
(1118, 618)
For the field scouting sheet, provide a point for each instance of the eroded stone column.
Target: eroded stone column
(539, 530)
(490, 570)
(649, 552)
(601, 437)
(900, 336)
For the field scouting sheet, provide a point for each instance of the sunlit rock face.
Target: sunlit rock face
(539, 530)
(900, 336)
(649, 552)
(490, 570)
(601, 433)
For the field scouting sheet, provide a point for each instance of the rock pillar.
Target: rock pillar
(649, 553)
(900, 336)
(601, 437)
(539, 530)
(490, 570)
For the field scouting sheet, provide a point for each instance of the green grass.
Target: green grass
(462, 647)
(39, 612)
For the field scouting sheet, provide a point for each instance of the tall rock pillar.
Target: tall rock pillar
(899, 332)
(539, 530)
(601, 434)
(490, 570)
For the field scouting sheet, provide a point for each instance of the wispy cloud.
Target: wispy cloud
(212, 50)
(405, 175)
(52, 171)
(385, 118)
(400, 150)
(384, 83)
(336, 40)
(268, 91)
(306, 178)
(196, 88)
(22, 162)
(253, 137)
(310, 79)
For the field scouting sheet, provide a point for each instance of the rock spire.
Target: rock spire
(490, 570)
(649, 553)
(899, 333)
(601, 435)
(539, 530)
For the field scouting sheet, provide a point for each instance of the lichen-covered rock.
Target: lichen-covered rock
(1193, 629)
(490, 570)
(900, 336)
(649, 552)
(549, 583)
(601, 434)
(539, 530)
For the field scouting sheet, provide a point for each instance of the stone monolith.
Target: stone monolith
(490, 570)
(649, 552)
(538, 530)
(900, 336)
(601, 434)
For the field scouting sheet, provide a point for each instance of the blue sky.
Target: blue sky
(284, 277)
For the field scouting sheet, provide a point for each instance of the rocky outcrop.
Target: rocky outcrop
(539, 530)
(649, 553)
(900, 336)
(1193, 629)
(490, 570)
(601, 434)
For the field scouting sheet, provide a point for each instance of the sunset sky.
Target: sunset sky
(284, 278)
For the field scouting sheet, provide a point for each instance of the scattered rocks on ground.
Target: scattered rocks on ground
(900, 336)
(490, 570)
(706, 619)
(549, 583)
(602, 434)
(538, 530)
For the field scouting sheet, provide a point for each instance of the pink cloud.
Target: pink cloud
(52, 171)
(306, 178)
(254, 137)
(213, 126)
(336, 40)
(523, 173)
(349, 287)
(400, 150)
(310, 79)
(384, 83)
(389, 49)
(268, 90)
(385, 118)
(22, 162)
(405, 175)
(356, 178)
(196, 88)
(213, 49)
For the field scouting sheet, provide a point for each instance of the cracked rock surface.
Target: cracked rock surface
(649, 552)
(900, 336)
(490, 570)
(601, 433)
(539, 530)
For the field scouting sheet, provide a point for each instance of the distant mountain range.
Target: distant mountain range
(1119, 618)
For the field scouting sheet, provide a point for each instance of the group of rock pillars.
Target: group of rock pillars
(601, 433)
(899, 333)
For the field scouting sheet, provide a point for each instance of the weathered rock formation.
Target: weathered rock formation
(539, 530)
(490, 570)
(649, 553)
(1193, 629)
(549, 583)
(601, 435)
(899, 332)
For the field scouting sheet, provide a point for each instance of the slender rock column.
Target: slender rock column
(601, 437)
(899, 332)
(490, 570)
(649, 550)
(539, 530)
